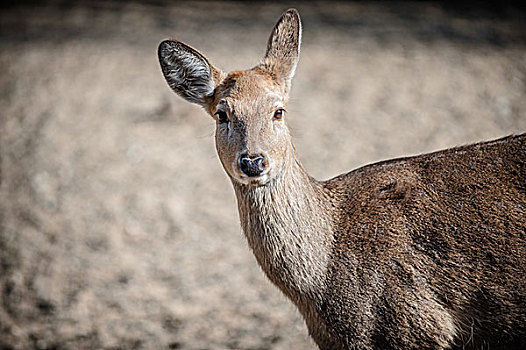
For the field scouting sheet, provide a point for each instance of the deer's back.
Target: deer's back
(431, 250)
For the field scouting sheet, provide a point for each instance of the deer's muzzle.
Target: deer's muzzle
(252, 166)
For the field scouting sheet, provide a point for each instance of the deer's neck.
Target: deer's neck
(287, 224)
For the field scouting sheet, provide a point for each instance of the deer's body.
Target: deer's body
(425, 252)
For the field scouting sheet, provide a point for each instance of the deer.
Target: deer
(418, 252)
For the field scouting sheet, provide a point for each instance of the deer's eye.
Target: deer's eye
(222, 117)
(278, 114)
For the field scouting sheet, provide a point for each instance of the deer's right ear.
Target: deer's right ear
(188, 72)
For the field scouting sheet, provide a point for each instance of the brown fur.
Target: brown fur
(426, 252)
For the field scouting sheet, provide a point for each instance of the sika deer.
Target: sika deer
(425, 252)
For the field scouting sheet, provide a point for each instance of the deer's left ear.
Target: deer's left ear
(283, 48)
(188, 72)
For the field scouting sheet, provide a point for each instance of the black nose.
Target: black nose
(252, 165)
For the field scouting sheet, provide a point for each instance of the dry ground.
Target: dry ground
(119, 228)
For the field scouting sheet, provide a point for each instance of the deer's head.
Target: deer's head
(248, 106)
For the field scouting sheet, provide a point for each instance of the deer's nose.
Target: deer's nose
(252, 165)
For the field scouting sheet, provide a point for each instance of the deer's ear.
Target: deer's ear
(283, 48)
(188, 72)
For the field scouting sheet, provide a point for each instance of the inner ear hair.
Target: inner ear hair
(188, 72)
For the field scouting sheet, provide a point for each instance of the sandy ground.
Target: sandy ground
(118, 226)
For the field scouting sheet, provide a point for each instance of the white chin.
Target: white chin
(253, 181)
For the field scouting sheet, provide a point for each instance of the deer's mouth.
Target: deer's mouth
(259, 180)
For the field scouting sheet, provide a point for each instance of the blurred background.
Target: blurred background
(118, 226)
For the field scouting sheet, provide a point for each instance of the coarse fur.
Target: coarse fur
(424, 252)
